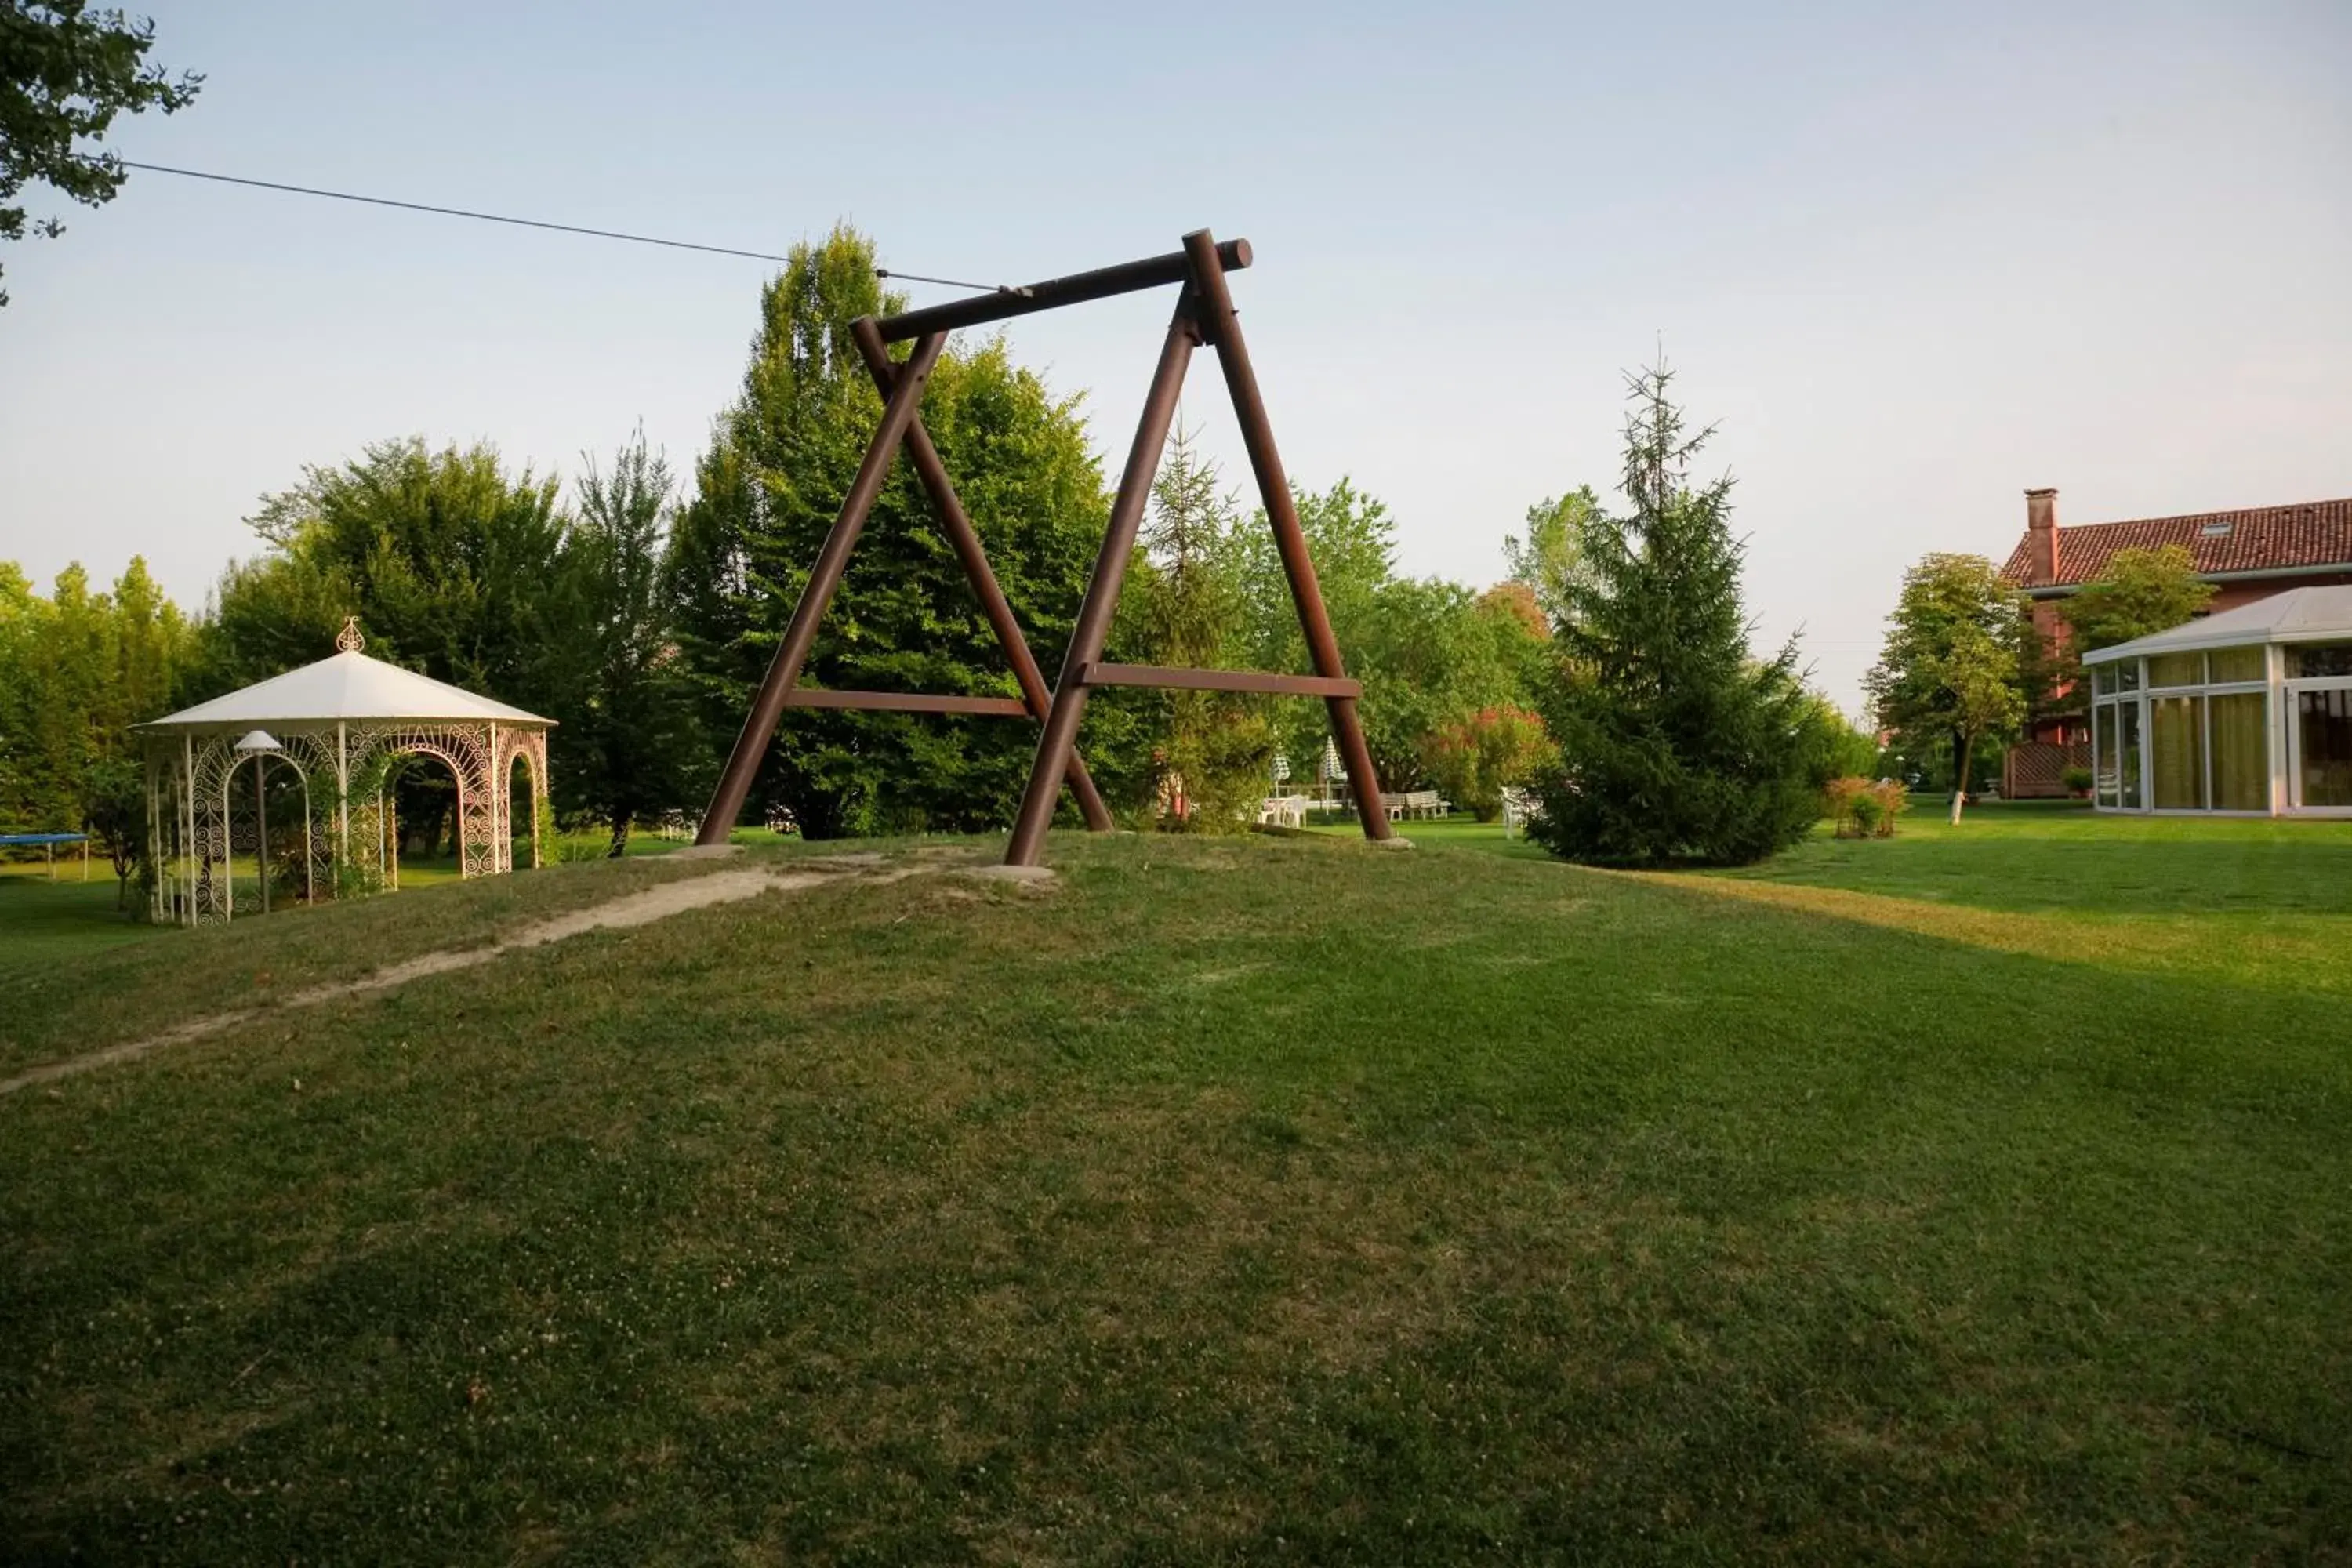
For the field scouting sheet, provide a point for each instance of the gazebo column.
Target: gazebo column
(478, 810)
(187, 816)
(537, 745)
(154, 839)
(501, 805)
(342, 799)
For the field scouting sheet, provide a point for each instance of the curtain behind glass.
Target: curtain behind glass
(2241, 763)
(2175, 753)
(2239, 664)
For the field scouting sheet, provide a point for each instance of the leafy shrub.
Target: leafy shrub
(1475, 760)
(1869, 814)
(1861, 809)
(1838, 796)
(2076, 780)
(1892, 801)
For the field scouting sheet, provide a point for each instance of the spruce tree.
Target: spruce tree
(1677, 744)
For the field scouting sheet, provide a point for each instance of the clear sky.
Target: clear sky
(1914, 259)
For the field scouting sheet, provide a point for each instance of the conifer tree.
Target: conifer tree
(1677, 744)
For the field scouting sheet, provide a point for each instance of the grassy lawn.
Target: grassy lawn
(44, 921)
(1273, 1199)
(2242, 902)
(2061, 858)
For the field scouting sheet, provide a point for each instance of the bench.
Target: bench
(1418, 802)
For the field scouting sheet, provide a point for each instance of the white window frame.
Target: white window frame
(2291, 720)
(2275, 707)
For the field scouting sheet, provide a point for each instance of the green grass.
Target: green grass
(2063, 856)
(45, 920)
(1277, 1199)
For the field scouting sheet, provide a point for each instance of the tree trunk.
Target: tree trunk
(620, 838)
(1960, 776)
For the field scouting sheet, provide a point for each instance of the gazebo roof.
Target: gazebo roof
(347, 686)
(2299, 615)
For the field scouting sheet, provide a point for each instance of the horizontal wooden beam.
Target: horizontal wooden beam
(1218, 681)
(1003, 304)
(905, 702)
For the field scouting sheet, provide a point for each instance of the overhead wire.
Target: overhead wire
(953, 283)
(536, 223)
(451, 212)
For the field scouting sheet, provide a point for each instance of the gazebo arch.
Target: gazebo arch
(340, 723)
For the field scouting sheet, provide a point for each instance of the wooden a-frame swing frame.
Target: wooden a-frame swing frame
(1203, 317)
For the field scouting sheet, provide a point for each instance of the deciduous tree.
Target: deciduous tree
(1550, 557)
(454, 566)
(66, 71)
(2140, 592)
(78, 669)
(1951, 664)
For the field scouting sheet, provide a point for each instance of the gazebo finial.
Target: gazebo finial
(349, 639)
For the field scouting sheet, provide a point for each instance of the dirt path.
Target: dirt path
(635, 909)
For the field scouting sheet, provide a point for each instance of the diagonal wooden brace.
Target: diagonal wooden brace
(800, 633)
(957, 523)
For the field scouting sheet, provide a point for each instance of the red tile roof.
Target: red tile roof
(2258, 539)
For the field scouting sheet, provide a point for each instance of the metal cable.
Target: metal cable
(954, 284)
(451, 212)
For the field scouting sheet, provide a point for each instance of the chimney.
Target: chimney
(2041, 537)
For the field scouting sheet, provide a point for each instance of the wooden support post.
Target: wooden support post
(1224, 331)
(1093, 627)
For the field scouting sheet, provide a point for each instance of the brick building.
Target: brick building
(2247, 555)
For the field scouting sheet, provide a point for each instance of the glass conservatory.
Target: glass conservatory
(2248, 712)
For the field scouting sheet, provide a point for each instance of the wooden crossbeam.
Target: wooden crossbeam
(1258, 680)
(905, 702)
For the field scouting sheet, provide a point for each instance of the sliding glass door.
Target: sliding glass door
(2323, 747)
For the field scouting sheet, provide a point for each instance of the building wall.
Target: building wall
(2230, 596)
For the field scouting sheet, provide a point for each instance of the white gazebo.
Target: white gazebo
(341, 725)
(2247, 712)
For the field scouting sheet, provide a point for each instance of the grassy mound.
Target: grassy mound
(1259, 1200)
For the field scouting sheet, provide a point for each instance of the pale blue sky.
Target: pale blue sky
(1914, 258)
